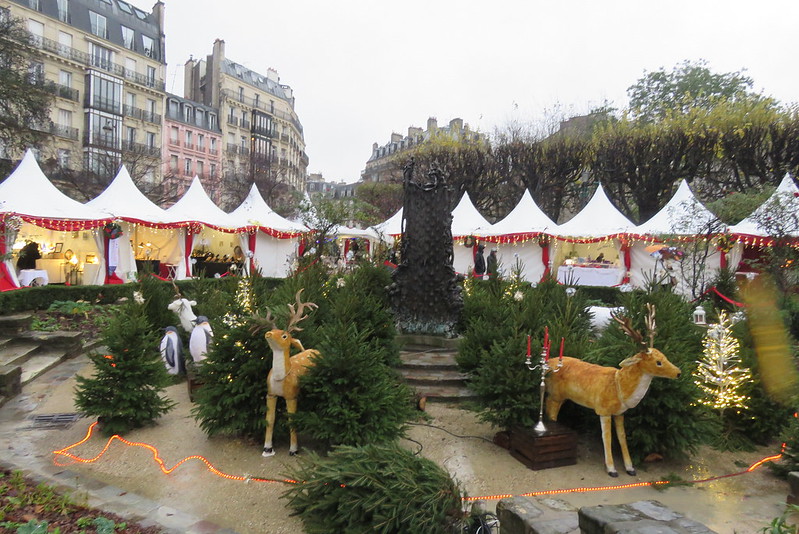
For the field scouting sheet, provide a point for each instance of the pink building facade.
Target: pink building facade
(192, 142)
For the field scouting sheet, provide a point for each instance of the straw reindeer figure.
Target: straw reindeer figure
(610, 391)
(283, 379)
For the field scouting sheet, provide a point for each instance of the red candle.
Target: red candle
(546, 343)
(528, 345)
(561, 349)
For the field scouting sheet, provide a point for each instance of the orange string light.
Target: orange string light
(168, 470)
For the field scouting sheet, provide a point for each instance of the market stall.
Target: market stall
(522, 240)
(269, 241)
(33, 210)
(593, 247)
(468, 225)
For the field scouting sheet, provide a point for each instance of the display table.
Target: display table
(56, 274)
(148, 266)
(33, 277)
(590, 276)
(90, 273)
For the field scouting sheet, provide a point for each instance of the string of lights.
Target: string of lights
(247, 478)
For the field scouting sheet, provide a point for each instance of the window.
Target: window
(63, 11)
(65, 78)
(212, 121)
(174, 134)
(98, 22)
(149, 46)
(213, 145)
(35, 4)
(127, 37)
(36, 29)
(231, 138)
(187, 167)
(200, 166)
(150, 76)
(189, 139)
(64, 43)
(243, 141)
(124, 7)
(173, 163)
(106, 93)
(63, 158)
(200, 142)
(130, 65)
(130, 135)
(257, 99)
(199, 117)
(151, 109)
(64, 117)
(101, 56)
(212, 170)
(174, 109)
(149, 139)
(130, 100)
(36, 73)
(241, 94)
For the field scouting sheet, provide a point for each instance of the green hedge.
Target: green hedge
(40, 298)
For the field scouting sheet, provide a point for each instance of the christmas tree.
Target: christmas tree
(124, 392)
(719, 374)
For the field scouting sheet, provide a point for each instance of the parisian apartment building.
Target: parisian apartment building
(104, 60)
(387, 161)
(260, 130)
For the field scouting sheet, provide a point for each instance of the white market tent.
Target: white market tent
(599, 228)
(207, 227)
(48, 217)
(146, 226)
(517, 237)
(786, 196)
(270, 237)
(682, 216)
(390, 228)
(466, 221)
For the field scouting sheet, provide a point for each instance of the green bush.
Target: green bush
(667, 420)
(494, 344)
(41, 297)
(375, 488)
(124, 390)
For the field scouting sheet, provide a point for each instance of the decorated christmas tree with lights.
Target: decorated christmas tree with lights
(720, 375)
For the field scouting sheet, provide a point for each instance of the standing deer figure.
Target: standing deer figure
(283, 379)
(609, 391)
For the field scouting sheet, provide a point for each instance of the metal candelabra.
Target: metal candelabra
(543, 364)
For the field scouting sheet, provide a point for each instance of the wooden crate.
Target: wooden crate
(193, 382)
(555, 447)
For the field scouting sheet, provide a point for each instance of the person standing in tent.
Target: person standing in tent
(28, 256)
(479, 262)
(492, 264)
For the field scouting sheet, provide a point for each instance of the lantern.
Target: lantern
(699, 316)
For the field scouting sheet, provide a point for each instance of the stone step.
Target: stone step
(4, 341)
(428, 341)
(16, 353)
(424, 376)
(444, 393)
(70, 342)
(426, 359)
(40, 363)
(15, 323)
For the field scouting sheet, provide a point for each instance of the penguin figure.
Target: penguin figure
(200, 339)
(172, 351)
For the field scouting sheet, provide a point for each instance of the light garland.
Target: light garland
(65, 453)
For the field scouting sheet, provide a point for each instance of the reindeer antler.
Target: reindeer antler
(650, 323)
(177, 291)
(262, 323)
(297, 313)
(627, 328)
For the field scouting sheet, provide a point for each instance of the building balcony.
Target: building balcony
(174, 142)
(58, 130)
(233, 121)
(61, 91)
(213, 151)
(103, 104)
(100, 140)
(266, 108)
(139, 148)
(189, 145)
(232, 149)
(141, 114)
(264, 132)
(245, 124)
(89, 60)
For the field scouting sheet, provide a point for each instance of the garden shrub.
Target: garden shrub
(374, 488)
(40, 298)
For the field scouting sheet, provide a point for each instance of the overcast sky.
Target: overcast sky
(362, 69)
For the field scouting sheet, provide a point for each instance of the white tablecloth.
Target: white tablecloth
(36, 277)
(590, 276)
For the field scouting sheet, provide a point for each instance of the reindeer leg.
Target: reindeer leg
(607, 438)
(628, 463)
(271, 404)
(291, 408)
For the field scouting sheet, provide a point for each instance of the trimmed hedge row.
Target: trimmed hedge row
(40, 298)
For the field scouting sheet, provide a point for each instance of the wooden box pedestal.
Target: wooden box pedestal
(555, 447)
(193, 382)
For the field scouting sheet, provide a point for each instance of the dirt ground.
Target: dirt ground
(741, 504)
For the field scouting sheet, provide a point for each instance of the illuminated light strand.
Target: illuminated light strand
(157, 458)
